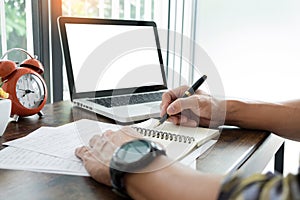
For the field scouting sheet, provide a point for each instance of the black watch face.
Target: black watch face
(133, 151)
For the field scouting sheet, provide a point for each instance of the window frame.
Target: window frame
(47, 44)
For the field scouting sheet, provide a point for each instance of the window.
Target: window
(15, 27)
(255, 46)
(117, 9)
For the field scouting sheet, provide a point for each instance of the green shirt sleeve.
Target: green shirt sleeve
(261, 187)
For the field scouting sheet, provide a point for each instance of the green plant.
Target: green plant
(15, 18)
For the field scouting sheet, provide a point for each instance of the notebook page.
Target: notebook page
(177, 149)
(200, 134)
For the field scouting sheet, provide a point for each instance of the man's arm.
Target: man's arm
(172, 182)
(202, 109)
(162, 179)
(167, 179)
(280, 118)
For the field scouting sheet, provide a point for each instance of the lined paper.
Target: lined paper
(20, 159)
(62, 141)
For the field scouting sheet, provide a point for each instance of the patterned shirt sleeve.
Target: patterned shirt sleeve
(261, 187)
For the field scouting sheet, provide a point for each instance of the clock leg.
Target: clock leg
(15, 118)
(41, 114)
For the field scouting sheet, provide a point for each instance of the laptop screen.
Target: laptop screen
(112, 55)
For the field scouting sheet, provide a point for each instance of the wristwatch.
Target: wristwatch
(130, 157)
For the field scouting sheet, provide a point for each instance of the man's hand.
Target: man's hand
(198, 109)
(96, 158)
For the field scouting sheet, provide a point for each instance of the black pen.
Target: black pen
(187, 93)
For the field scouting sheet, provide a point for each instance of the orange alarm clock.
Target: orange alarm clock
(25, 85)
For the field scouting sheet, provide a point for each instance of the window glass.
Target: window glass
(87, 8)
(13, 28)
(0, 40)
(119, 9)
(256, 46)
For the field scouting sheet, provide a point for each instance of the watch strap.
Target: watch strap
(118, 186)
(117, 175)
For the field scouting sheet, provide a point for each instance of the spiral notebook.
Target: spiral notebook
(178, 140)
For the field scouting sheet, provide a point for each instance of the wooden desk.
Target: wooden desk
(236, 149)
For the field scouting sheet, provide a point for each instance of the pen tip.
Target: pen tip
(157, 125)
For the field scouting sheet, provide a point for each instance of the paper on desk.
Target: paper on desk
(61, 141)
(51, 149)
(20, 159)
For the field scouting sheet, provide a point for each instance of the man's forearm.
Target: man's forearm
(174, 181)
(282, 118)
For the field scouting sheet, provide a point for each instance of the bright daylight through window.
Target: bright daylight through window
(15, 27)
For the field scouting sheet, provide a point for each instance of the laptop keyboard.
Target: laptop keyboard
(128, 100)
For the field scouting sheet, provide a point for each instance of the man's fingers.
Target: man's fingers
(80, 152)
(174, 119)
(190, 123)
(170, 96)
(128, 131)
(94, 140)
(179, 105)
(163, 109)
(178, 119)
(166, 100)
(173, 94)
(98, 140)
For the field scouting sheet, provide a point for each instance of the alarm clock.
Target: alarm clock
(25, 85)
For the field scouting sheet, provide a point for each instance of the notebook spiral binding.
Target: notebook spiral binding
(164, 135)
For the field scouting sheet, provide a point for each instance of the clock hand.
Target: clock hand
(27, 92)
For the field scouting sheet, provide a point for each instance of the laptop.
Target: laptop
(114, 67)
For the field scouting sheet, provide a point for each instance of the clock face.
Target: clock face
(30, 91)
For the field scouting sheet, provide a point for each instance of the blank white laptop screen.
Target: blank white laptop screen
(126, 68)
